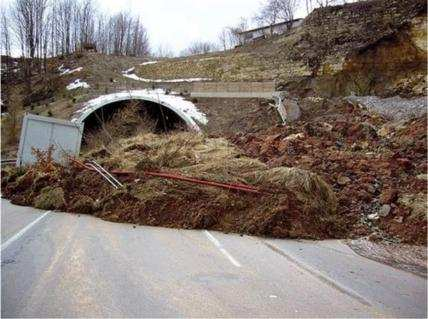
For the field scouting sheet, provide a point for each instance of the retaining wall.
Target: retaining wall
(233, 89)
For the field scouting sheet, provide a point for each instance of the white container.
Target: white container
(40, 132)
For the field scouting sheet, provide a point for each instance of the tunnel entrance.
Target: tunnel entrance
(129, 117)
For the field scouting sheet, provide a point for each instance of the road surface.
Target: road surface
(65, 265)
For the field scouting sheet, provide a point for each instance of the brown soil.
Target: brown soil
(293, 203)
(369, 162)
(185, 206)
(230, 116)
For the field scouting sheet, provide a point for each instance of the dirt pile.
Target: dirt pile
(290, 202)
(377, 167)
(230, 116)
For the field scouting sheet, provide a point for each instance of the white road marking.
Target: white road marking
(212, 238)
(230, 257)
(22, 231)
(222, 250)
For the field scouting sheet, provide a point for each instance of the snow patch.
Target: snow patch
(78, 84)
(68, 71)
(185, 109)
(149, 62)
(137, 78)
(208, 59)
(130, 70)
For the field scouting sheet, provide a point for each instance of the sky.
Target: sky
(177, 23)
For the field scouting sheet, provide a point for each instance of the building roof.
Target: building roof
(269, 26)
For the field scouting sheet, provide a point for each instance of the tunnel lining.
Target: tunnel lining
(184, 109)
(164, 120)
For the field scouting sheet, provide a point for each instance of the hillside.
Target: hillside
(370, 151)
(376, 47)
(368, 48)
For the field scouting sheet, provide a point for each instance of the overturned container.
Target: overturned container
(42, 133)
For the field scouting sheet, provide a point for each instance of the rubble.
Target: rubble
(394, 108)
(369, 172)
(340, 171)
(290, 202)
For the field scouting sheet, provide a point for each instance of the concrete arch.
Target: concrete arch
(186, 110)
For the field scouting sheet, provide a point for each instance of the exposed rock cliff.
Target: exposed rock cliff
(371, 47)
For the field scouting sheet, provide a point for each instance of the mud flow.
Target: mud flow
(339, 172)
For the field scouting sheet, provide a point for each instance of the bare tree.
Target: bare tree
(5, 34)
(66, 26)
(269, 14)
(229, 37)
(198, 47)
(102, 34)
(87, 22)
(63, 20)
(29, 17)
(235, 32)
(5, 49)
(140, 39)
(164, 51)
(287, 9)
(223, 38)
(275, 11)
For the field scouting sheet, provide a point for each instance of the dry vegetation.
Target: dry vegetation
(291, 202)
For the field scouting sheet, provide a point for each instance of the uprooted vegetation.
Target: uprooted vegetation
(341, 171)
(291, 202)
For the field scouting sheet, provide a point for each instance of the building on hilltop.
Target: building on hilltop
(264, 32)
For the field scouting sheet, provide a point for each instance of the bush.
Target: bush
(83, 205)
(50, 198)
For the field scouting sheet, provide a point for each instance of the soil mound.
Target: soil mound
(377, 167)
(290, 202)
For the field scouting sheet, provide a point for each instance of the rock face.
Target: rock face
(371, 47)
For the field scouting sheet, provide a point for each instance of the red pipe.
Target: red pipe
(239, 187)
(231, 186)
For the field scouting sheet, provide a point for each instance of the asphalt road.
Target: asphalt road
(65, 265)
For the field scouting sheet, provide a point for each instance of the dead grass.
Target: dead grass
(124, 123)
(293, 202)
(211, 159)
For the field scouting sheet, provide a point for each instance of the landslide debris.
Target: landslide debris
(377, 167)
(50, 198)
(293, 202)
